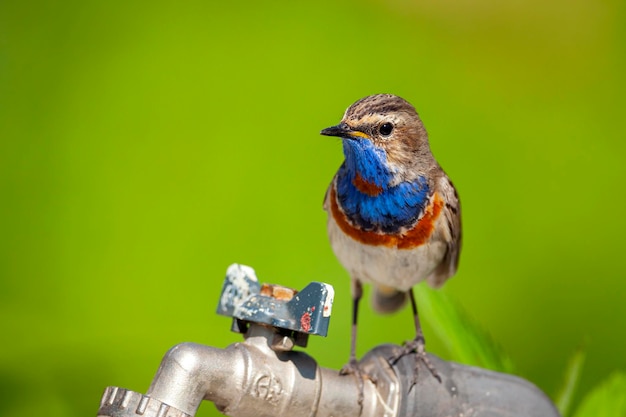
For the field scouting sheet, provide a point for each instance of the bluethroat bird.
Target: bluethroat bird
(394, 217)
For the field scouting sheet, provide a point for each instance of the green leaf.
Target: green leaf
(572, 377)
(606, 400)
(465, 341)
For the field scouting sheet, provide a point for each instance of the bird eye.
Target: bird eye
(385, 129)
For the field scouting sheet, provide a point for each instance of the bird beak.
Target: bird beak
(342, 130)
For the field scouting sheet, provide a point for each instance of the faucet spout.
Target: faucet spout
(190, 373)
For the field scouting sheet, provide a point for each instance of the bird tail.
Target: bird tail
(388, 300)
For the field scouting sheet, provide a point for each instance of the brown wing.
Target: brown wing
(452, 233)
(326, 204)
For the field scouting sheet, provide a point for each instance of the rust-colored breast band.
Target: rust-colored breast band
(417, 236)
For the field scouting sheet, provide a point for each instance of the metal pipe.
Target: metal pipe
(252, 379)
(262, 376)
(463, 390)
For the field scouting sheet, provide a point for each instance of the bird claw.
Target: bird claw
(353, 368)
(350, 368)
(416, 347)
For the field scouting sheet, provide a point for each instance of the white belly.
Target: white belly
(382, 265)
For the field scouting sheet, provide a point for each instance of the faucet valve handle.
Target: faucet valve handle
(294, 314)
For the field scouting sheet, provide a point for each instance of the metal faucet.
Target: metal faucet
(263, 376)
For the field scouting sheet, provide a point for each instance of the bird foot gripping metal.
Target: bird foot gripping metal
(263, 376)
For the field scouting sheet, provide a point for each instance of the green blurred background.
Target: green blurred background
(147, 145)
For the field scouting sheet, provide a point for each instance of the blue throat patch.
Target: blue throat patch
(390, 210)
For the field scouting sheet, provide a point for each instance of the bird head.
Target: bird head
(384, 140)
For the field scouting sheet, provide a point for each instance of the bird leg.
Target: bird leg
(352, 367)
(416, 346)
